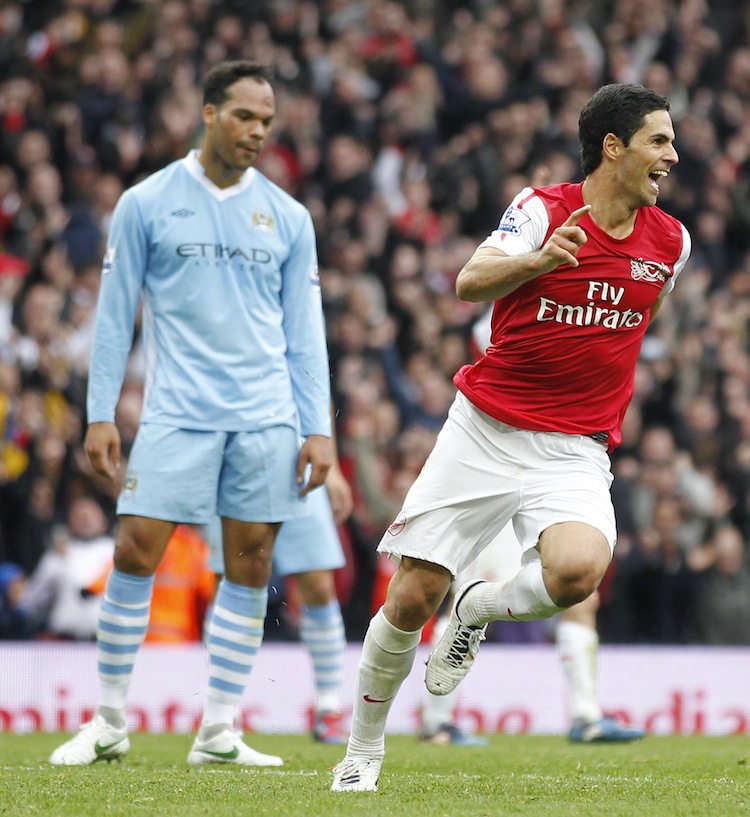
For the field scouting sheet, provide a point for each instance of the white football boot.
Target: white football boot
(356, 773)
(228, 747)
(96, 740)
(454, 654)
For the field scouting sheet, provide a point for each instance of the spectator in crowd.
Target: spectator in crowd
(651, 597)
(56, 595)
(722, 609)
(15, 622)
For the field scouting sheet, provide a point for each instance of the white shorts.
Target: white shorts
(483, 473)
(302, 545)
(183, 475)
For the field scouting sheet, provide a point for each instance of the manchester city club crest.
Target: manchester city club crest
(263, 222)
(128, 488)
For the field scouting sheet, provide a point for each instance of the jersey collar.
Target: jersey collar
(197, 171)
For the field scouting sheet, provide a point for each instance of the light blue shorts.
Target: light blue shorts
(306, 544)
(182, 475)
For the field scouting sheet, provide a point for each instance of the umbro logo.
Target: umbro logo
(182, 213)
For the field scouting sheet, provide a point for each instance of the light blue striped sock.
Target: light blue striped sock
(123, 622)
(322, 631)
(233, 637)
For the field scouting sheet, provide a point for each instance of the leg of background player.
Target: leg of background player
(322, 632)
(578, 648)
(438, 711)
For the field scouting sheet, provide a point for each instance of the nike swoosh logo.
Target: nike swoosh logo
(376, 700)
(102, 750)
(232, 754)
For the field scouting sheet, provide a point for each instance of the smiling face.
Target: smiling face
(646, 160)
(237, 130)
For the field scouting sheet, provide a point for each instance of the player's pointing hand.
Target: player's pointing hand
(563, 245)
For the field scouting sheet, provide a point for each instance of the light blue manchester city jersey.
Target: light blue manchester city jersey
(233, 330)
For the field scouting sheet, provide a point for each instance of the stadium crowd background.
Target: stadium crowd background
(405, 127)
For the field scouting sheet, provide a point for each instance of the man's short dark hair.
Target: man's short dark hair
(618, 108)
(224, 74)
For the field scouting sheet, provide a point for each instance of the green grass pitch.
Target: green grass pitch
(515, 776)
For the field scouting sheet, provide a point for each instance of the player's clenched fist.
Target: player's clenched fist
(563, 245)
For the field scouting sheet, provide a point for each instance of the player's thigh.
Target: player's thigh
(239, 544)
(172, 474)
(302, 545)
(248, 551)
(574, 550)
(141, 543)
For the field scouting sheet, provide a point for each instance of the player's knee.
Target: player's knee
(250, 568)
(573, 587)
(134, 558)
(409, 611)
(317, 587)
(414, 596)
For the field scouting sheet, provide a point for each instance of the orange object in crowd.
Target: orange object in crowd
(183, 589)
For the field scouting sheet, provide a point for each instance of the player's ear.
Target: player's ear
(612, 146)
(209, 113)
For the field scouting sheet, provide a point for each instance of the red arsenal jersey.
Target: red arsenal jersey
(565, 345)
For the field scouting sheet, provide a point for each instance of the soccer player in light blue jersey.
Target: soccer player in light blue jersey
(236, 416)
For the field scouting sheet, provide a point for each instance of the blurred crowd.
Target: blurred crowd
(406, 128)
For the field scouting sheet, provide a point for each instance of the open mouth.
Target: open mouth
(655, 178)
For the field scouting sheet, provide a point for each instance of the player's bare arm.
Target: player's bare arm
(317, 452)
(102, 445)
(340, 494)
(490, 274)
(657, 306)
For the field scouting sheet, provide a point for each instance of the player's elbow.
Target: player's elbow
(467, 288)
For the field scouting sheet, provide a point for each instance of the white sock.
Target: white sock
(437, 710)
(387, 658)
(522, 598)
(577, 646)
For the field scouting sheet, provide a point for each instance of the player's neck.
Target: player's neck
(217, 171)
(610, 212)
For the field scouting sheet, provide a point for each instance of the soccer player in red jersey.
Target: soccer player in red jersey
(574, 629)
(576, 272)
